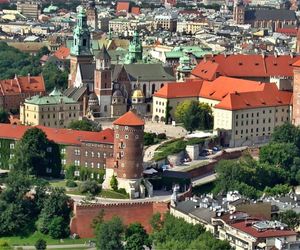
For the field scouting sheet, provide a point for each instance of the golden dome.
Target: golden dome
(137, 94)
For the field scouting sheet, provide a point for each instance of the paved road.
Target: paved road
(204, 179)
(58, 247)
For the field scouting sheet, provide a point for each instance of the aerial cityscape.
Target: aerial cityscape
(150, 124)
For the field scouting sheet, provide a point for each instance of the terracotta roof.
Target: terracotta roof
(60, 136)
(288, 31)
(206, 70)
(247, 66)
(222, 86)
(296, 64)
(123, 6)
(22, 84)
(269, 97)
(62, 53)
(269, 233)
(136, 10)
(179, 90)
(129, 119)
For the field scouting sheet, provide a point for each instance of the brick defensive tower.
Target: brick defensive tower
(127, 161)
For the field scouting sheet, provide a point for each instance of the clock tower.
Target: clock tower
(81, 46)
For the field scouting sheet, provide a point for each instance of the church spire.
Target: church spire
(81, 34)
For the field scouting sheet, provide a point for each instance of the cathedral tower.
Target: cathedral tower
(135, 50)
(239, 12)
(103, 81)
(81, 46)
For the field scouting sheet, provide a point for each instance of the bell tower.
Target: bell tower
(80, 52)
(239, 12)
(135, 50)
(103, 81)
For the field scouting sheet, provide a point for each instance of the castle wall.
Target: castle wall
(129, 213)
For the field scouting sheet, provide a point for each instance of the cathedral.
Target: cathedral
(106, 89)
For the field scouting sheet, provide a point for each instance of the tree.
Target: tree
(84, 125)
(4, 116)
(149, 138)
(54, 77)
(207, 241)
(36, 154)
(286, 133)
(136, 237)
(40, 244)
(109, 234)
(58, 227)
(55, 205)
(291, 218)
(279, 154)
(194, 115)
(90, 187)
(97, 221)
(114, 183)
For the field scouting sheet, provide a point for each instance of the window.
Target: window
(77, 163)
(12, 146)
(117, 135)
(126, 136)
(63, 151)
(86, 164)
(92, 164)
(11, 156)
(136, 136)
(77, 152)
(63, 161)
(104, 155)
(98, 155)
(98, 165)
(86, 153)
(93, 154)
(126, 127)
(49, 149)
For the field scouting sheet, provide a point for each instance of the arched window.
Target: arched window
(153, 88)
(161, 85)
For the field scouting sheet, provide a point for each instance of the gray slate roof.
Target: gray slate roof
(75, 93)
(270, 15)
(145, 72)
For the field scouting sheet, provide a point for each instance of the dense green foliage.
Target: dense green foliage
(71, 184)
(173, 233)
(55, 214)
(40, 244)
(36, 154)
(194, 115)
(84, 125)
(291, 218)
(114, 183)
(90, 187)
(250, 177)
(14, 62)
(136, 237)
(21, 212)
(109, 234)
(276, 171)
(4, 116)
(153, 138)
(84, 173)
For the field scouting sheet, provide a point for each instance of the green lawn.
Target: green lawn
(58, 183)
(30, 240)
(112, 194)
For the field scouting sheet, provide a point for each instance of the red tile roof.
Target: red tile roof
(123, 6)
(269, 233)
(288, 31)
(60, 136)
(233, 93)
(62, 53)
(129, 119)
(248, 66)
(179, 90)
(296, 64)
(22, 84)
(136, 10)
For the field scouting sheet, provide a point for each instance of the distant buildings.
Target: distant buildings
(29, 8)
(15, 91)
(55, 110)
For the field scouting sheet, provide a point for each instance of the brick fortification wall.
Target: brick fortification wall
(129, 212)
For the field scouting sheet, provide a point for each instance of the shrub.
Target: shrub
(162, 136)
(114, 183)
(122, 191)
(90, 187)
(40, 244)
(149, 138)
(71, 184)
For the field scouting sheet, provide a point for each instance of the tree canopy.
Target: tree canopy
(194, 115)
(14, 62)
(84, 125)
(174, 233)
(36, 154)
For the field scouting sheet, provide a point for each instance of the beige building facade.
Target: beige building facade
(55, 110)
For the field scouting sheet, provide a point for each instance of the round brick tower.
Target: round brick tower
(128, 146)
(127, 161)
